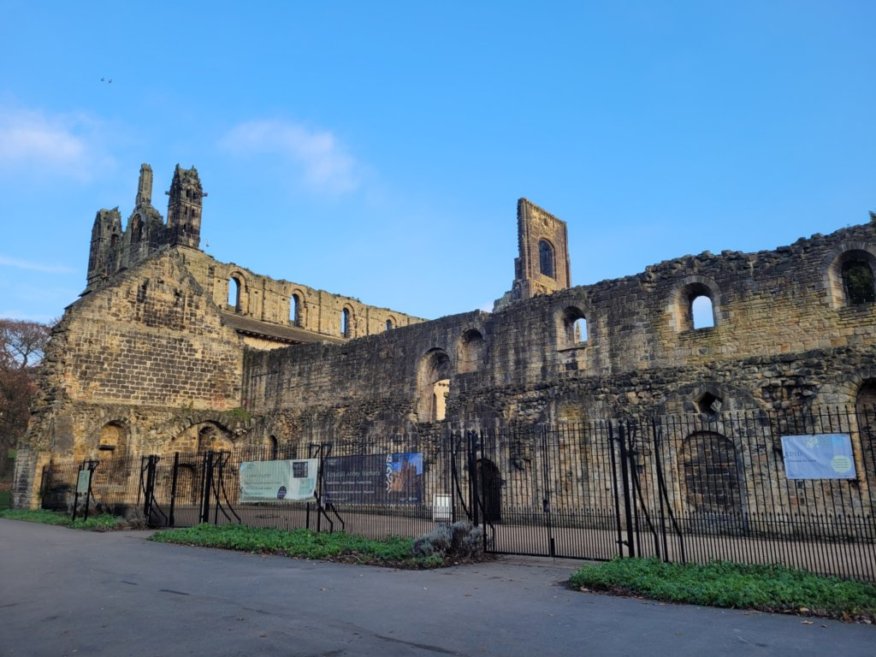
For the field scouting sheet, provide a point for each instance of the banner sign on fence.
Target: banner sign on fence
(819, 456)
(265, 481)
(374, 479)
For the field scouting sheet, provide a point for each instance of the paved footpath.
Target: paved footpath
(67, 592)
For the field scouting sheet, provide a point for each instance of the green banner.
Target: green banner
(278, 481)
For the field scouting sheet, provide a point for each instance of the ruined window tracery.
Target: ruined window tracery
(546, 263)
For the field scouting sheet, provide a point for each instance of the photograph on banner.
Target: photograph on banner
(278, 481)
(818, 456)
(374, 478)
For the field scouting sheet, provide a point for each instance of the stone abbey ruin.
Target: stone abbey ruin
(168, 350)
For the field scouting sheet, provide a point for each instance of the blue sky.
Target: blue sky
(378, 149)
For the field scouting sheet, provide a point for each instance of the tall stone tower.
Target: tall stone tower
(105, 235)
(184, 208)
(144, 187)
(542, 266)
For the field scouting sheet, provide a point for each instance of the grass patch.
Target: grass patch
(100, 522)
(303, 543)
(723, 584)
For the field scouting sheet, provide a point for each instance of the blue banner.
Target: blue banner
(819, 456)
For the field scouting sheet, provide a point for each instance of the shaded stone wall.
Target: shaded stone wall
(151, 340)
(784, 336)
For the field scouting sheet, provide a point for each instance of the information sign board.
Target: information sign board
(277, 481)
(818, 456)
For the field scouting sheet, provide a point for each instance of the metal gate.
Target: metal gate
(594, 491)
(185, 490)
(553, 492)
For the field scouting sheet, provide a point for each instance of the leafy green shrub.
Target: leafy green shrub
(303, 543)
(724, 584)
(99, 522)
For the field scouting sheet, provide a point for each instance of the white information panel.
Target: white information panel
(277, 481)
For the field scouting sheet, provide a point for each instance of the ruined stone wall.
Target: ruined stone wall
(153, 339)
(270, 300)
(784, 336)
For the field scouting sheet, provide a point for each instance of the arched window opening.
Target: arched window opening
(546, 262)
(471, 351)
(702, 312)
(711, 473)
(389, 324)
(574, 327)
(273, 447)
(697, 305)
(295, 310)
(346, 328)
(858, 281)
(234, 293)
(491, 483)
(433, 386)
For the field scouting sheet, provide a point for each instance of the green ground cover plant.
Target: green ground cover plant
(5, 499)
(723, 584)
(99, 522)
(302, 543)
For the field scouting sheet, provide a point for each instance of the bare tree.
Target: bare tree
(22, 344)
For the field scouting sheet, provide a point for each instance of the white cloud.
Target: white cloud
(325, 164)
(34, 266)
(62, 144)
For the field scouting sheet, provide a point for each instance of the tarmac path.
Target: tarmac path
(65, 592)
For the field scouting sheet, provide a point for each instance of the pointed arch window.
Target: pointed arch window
(546, 263)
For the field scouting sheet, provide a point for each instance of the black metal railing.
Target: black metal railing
(678, 488)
